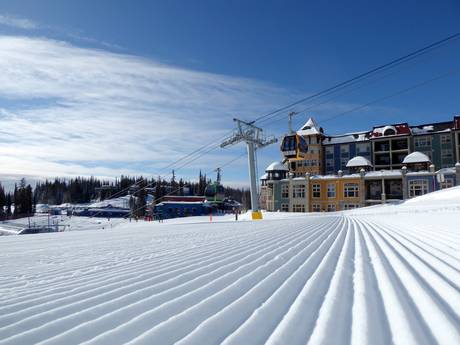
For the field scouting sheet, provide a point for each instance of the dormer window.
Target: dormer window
(389, 131)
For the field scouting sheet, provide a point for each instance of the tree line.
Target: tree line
(18, 203)
(21, 202)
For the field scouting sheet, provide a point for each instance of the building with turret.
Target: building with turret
(312, 162)
(388, 163)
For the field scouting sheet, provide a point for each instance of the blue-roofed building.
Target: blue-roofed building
(175, 209)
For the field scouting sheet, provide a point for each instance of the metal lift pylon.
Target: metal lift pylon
(253, 137)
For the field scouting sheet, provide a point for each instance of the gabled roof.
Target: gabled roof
(416, 157)
(358, 161)
(310, 127)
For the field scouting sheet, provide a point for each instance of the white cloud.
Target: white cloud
(16, 22)
(68, 110)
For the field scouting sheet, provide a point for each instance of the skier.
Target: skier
(236, 213)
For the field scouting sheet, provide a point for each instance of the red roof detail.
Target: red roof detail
(457, 122)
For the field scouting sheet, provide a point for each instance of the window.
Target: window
(398, 157)
(329, 150)
(381, 146)
(446, 139)
(417, 187)
(343, 163)
(422, 141)
(349, 206)
(399, 144)
(429, 154)
(446, 154)
(351, 190)
(344, 149)
(316, 191)
(331, 190)
(284, 208)
(448, 183)
(298, 191)
(331, 208)
(285, 191)
(363, 148)
(298, 208)
(316, 207)
(382, 159)
(329, 164)
(270, 191)
(389, 131)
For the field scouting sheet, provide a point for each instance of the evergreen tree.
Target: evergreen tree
(181, 187)
(140, 204)
(2, 203)
(9, 201)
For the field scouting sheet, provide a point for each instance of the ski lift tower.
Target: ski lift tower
(252, 135)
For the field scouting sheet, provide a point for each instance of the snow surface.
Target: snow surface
(121, 202)
(354, 277)
(65, 223)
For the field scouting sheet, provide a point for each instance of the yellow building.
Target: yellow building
(331, 193)
(313, 159)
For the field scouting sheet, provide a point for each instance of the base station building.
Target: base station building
(389, 163)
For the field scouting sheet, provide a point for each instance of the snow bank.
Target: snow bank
(339, 278)
(440, 197)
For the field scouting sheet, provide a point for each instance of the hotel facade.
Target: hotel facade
(388, 163)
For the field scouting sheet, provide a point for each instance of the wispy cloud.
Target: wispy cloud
(17, 22)
(67, 110)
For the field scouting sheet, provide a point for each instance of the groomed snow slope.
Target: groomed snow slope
(337, 279)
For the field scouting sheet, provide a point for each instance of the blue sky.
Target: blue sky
(126, 87)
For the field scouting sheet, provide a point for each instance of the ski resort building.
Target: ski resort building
(389, 163)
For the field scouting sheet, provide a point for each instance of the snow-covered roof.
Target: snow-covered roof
(416, 157)
(423, 130)
(383, 173)
(382, 130)
(346, 138)
(420, 173)
(264, 176)
(310, 127)
(390, 130)
(276, 166)
(446, 171)
(332, 177)
(358, 161)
